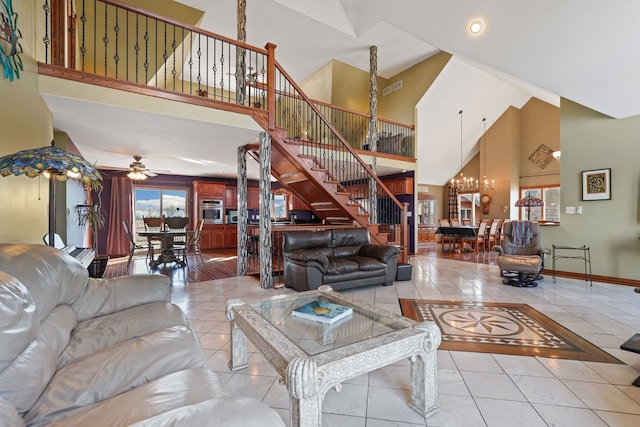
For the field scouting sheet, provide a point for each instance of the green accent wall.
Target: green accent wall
(26, 122)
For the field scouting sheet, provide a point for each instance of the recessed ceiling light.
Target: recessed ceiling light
(476, 26)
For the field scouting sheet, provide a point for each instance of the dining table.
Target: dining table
(458, 232)
(168, 251)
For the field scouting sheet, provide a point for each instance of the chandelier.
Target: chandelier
(485, 184)
(461, 182)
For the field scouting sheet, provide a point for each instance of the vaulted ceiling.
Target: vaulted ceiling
(583, 50)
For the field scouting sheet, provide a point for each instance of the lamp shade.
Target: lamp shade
(35, 161)
(58, 164)
(529, 202)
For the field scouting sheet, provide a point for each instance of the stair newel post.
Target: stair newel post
(241, 63)
(271, 85)
(373, 131)
(404, 233)
(243, 212)
(266, 257)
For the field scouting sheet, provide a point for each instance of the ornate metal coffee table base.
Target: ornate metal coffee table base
(309, 377)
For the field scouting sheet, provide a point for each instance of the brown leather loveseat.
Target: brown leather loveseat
(341, 258)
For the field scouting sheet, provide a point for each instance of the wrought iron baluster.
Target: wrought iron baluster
(173, 47)
(137, 47)
(105, 39)
(146, 50)
(190, 62)
(116, 30)
(46, 40)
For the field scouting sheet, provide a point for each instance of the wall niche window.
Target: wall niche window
(550, 195)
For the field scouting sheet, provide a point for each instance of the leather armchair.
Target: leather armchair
(521, 257)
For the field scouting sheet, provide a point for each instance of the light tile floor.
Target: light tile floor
(474, 389)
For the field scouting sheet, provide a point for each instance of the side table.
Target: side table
(586, 257)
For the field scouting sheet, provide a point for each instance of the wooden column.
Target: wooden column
(373, 131)
(266, 259)
(241, 65)
(243, 211)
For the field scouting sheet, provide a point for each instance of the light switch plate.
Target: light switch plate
(570, 210)
(579, 210)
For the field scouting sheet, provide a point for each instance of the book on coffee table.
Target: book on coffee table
(322, 311)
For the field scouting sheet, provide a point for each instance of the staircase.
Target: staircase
(312, 160)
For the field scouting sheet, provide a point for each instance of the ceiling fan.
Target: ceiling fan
(138, 171)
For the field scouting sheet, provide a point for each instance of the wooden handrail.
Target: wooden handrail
(183, 25)
(336, 133)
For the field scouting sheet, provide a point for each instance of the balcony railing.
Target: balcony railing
(116, 41)
(110, 39)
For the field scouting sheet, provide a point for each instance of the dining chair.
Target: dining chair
(133, 246)
(477, 241)
(193, 243)
(447, 239)
(491, 236)
(153, 224)
(176, 246)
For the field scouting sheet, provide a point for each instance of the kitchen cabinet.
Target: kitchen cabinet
(231, 236)
(209, 190)
(230, 197)
(400, 185)
(253, 198)
(213, 237)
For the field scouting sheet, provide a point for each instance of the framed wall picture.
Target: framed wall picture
(596, 184)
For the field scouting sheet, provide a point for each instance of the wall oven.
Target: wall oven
(212, 211)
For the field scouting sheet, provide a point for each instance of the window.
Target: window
(279, 206)
(425, 209)
(550, 197)
(469, 207)
(155, 202)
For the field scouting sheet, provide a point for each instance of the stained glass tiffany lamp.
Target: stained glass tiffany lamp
(529, 202)
(55, 164)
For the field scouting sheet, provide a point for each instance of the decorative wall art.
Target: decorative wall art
(542, 156)
(10, 47)
(596, 184)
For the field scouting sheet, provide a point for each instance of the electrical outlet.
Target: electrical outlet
(579, 210)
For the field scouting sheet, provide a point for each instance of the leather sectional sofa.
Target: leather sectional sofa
(77, 351)
(341, 258)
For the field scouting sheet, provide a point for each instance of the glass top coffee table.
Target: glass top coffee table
(312, 357)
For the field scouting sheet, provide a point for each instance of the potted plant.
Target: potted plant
(92, 217)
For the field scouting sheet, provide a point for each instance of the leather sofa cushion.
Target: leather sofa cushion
(178, 399)
(383, 253)
(51, 276)
(306, 239)
(342, 265)
(56, 329)
(329, 279)
(10, 417)
(18, 321)
(319, 256)
(116, 370)
(342, 251)
(94, 335)
(349, 237)
(25, 378)
(368, 264)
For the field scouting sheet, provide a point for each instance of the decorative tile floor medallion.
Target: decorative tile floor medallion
(502, 328)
